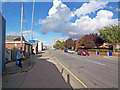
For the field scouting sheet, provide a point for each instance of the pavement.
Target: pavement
(43, 74)
(94, 71)
(12, 68)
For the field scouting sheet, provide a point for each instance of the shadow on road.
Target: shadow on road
(45, 74)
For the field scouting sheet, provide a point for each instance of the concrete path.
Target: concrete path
(44, 74)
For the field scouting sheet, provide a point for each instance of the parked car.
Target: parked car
(83, 53)
(70, 51)
(65, 50)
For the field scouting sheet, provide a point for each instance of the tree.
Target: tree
(74, 44)
(111, 34)
(59, 45)
(69, 43)
(92, 40)
(54, 46)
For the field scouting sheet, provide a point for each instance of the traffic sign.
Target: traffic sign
(32, 41)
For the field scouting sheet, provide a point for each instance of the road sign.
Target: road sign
(32, 41)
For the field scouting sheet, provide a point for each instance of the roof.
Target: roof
(14, 38)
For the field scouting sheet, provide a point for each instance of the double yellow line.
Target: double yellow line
(71, 73)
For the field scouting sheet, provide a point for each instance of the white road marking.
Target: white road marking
(96, 62)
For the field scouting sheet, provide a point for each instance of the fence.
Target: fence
(14, 54)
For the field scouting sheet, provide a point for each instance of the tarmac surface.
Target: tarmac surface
(94, 71)
(44, 74)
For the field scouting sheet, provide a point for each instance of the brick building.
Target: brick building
(14, 42)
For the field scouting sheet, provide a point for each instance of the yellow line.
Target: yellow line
(71, 73)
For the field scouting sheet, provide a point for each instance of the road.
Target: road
(94, 71)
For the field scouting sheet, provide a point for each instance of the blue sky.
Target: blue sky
(64, 20)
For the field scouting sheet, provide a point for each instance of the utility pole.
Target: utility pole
(21, 23)
(32, 22)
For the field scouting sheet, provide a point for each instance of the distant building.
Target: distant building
(49, 47)
(105, 45)
(117, 46)
(61, 40)
(2, 42)
(40, 46)
(44, 47)
(14, 42)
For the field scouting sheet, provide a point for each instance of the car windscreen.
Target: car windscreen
(83, 50)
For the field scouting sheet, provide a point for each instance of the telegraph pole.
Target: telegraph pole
(21, 23)
(32, 22)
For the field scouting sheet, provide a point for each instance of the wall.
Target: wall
(11, 45)
(25, 48)
(2, 41)
(40, 46)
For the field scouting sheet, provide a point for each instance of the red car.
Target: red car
(83, 53)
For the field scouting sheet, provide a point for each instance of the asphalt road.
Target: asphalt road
(94, 71)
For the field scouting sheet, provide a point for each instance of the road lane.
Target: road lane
(104, 74)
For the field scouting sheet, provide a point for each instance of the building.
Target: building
(61, 40)
(14, 42)
(44, 47)
(2, 44)
(117, 46)
(40, 46)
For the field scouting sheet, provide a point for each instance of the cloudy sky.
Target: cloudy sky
(59, 19)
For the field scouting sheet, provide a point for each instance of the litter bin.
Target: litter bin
(109, 53)
(97, 52)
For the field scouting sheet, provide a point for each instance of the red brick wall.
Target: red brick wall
(103, 53)
(91, 52)
(12, 45)
(116, 54)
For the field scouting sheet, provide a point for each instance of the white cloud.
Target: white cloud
(48, 43)
(27, 34)
(86, 25)
(60, 16)
(87, 8)
(12, 33)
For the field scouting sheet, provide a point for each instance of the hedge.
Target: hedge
(100, 50)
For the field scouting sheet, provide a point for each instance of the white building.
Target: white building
(40, 46)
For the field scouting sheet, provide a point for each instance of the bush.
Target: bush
(100, 50)
(116, 50)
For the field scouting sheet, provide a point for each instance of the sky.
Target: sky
(59, 19)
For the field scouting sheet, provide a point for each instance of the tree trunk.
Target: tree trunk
(113, 48)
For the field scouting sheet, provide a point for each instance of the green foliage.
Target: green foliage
(59, 45)
(13, 48)
(117, 50)
(100, 50)
(110, 34)
(54, 46)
